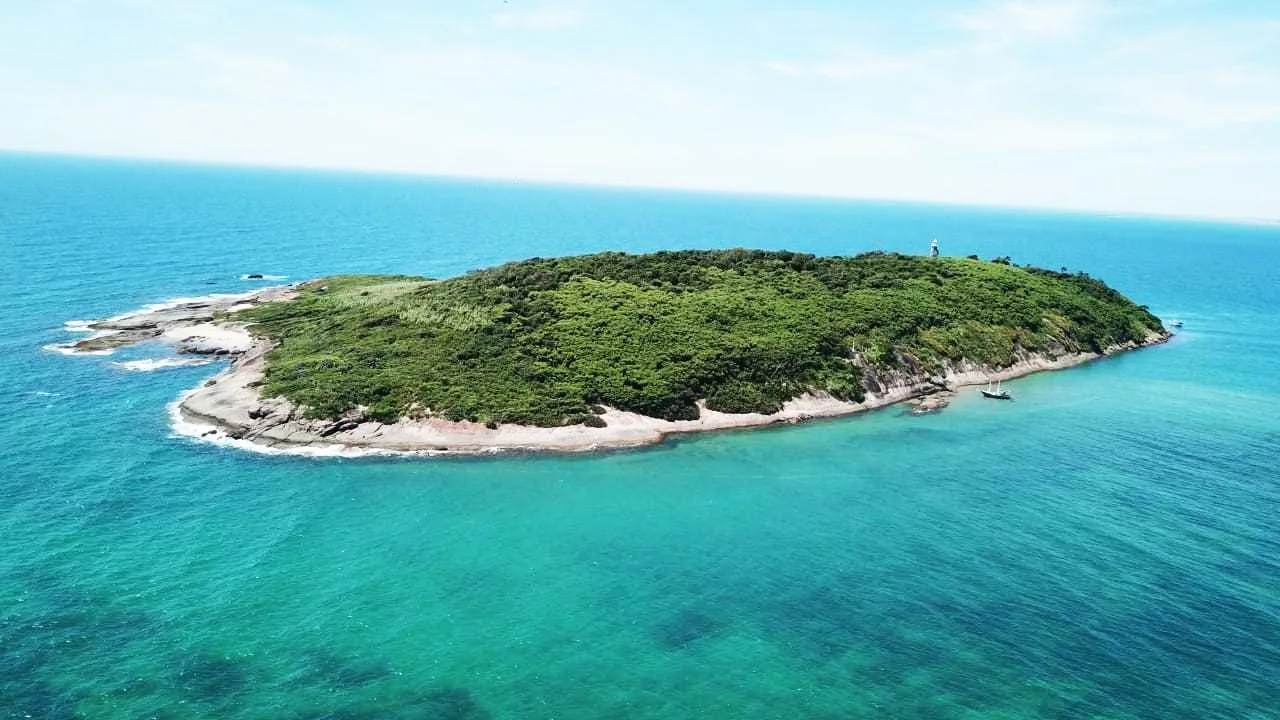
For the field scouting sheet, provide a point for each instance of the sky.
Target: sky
(1144, 106)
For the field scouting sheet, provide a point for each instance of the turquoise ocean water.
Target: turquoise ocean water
(1106, 546)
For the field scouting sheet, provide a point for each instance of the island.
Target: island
(618, 350)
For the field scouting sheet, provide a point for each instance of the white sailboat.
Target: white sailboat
(995, 393)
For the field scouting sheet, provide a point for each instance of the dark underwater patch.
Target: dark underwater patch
(37, 700)
(210, 678)
(685, 627)
(822, 622)
(446, 703)
(56, 623)
(344, 714)
(329, 667)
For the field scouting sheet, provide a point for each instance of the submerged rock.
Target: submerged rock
(209, 677)
(683, 628)
(931, 403)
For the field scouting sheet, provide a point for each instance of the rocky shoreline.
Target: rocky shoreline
(192, 323)
(229, 409)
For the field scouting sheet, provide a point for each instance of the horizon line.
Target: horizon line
(641, 187)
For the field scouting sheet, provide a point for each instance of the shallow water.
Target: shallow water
(1104, 546)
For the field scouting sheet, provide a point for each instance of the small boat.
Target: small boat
(995, 393)
(1176, 323)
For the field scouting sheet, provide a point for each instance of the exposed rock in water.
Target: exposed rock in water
(116, 340)
(931, 403)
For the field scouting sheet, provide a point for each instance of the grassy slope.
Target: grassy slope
(538, 342)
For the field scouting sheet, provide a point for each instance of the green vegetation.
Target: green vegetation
(540, 342)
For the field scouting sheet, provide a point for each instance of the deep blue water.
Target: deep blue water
(1106, 546)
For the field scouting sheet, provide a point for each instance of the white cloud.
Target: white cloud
(868, 65)
(785, 68)
(1193, 77)
(551, 17)
(1046, 137)
(1083, 104)
(242, 74)
(1013, 21)
(853, 64)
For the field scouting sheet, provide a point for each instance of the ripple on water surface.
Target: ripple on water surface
(1103, 547)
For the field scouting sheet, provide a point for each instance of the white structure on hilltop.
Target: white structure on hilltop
(933, 248)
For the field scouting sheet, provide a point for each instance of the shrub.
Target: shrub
(549, 341)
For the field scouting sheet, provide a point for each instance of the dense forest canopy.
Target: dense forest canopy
(543, 341)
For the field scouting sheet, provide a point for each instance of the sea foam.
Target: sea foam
(153, 364)
(179, 301)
